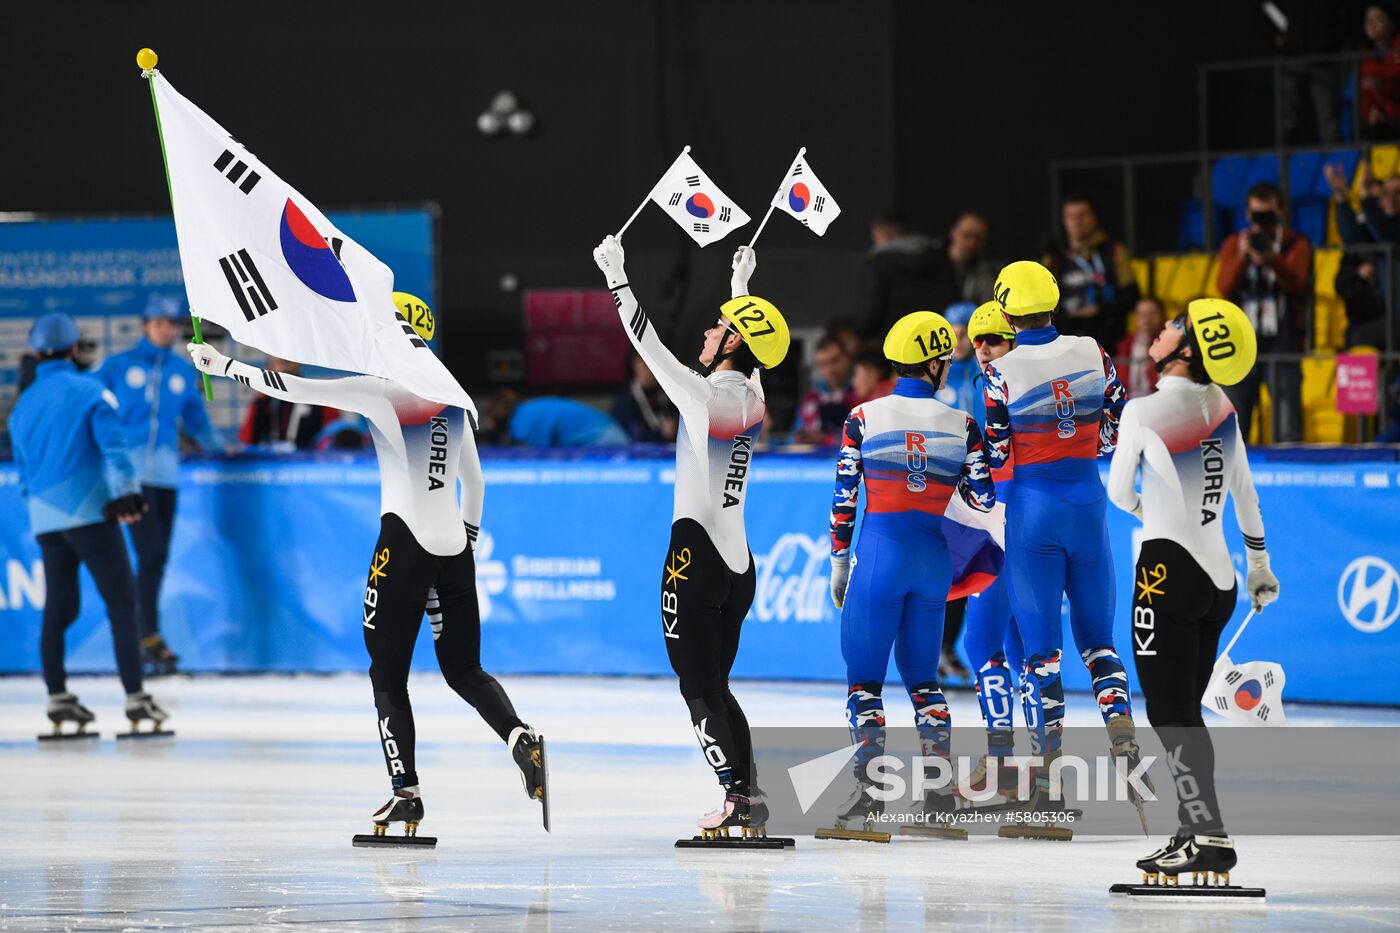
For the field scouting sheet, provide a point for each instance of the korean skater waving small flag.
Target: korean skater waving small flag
(686, 193)
(804, 197)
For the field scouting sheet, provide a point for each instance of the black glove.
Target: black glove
(130, 507)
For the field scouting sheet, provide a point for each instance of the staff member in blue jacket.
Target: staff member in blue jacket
(158, 395)
(78, 478)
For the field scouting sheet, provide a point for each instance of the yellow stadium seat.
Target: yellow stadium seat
(1142, 273)
(1189, 283)
(1329, 324)
(1212, 277)
(1326, 262)
(1322, 423)
(1384, 161)
(1334, 238)
(1163, 271)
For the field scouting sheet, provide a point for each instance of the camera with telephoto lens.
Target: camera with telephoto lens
(1262, 239)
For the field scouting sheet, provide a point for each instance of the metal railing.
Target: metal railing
(1277, 67)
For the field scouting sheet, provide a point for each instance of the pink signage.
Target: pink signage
(1356, 384)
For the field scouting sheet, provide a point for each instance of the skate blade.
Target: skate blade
(1191, 891)
(855, 835)
(148, 734)
(768, 843)
(69, 736)
(542, 792)
(933, 832)
(372, 841)
(1052, 833)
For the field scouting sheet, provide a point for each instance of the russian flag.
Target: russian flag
(976, 545)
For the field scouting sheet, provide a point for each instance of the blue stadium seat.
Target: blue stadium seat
(1304, 169)
(1261, 168)
(1226, 181)
(1191, 229)
(1309, 217)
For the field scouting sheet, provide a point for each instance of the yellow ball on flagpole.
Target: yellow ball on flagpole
(146, 59)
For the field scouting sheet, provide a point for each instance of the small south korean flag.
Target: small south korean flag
(1249, 693)
(686, 193)
(804, 196)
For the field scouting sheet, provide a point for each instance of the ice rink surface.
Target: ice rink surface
(243, 822)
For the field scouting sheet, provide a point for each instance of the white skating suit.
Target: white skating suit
(1188, 441)
(423, 448)
(721, 416)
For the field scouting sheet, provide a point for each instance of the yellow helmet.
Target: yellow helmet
(920, 337)
(1224, 339)
(988, 321)
(416, 312)
(1026, 287)
(761, 326)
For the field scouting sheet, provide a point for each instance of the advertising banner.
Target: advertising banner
(270, 558)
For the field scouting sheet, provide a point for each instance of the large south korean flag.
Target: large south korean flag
(261, 260)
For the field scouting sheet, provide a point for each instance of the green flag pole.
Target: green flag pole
(146, 61)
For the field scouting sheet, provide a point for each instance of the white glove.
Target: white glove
(1261, 583)
(840, 576)
(208, 360)
(745, 261)
(608, 255)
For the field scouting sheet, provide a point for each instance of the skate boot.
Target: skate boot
(934, 819)
(951, 668)
(1043, 816)
(527, 748)
(1122, 734)
(406, 807)
(160, 661)
(978, 792)
(857, 818)
(1208, 859)
(139, 708)
(64, 707)
(748, 813)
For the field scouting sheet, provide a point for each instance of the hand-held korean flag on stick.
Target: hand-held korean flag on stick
(804, 197)
(261, 260)
(1249, 693)
(686, 193)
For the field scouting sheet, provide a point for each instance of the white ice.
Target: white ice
(243, 822)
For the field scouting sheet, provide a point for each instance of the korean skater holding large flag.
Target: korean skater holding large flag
(1187, 441)
(261, 260)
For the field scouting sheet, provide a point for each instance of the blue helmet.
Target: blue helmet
(166, 306)
(959, 313)
(53, 332)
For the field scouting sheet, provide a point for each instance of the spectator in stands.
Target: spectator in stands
(829, 398)
(642, 409)
(963, 388)
(1266, 269)
(1097, 288)
(1359, 287)
(844, 330)
(906, 270)
(1380, 75)
(1359, 282)
(871, 377)
(1132, 358)
(282, 425)
(1391, 435)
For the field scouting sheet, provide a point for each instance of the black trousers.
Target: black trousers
(101, 547)
(151, 539)
(1178, 615)
(703, 604)
(404, 582)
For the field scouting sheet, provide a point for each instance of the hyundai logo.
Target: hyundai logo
(1369, 594)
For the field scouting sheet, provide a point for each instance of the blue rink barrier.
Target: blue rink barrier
(269, 561)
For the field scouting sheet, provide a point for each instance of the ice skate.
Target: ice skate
(952, 669)
(139, 708)
(982, 792)
(527, 748)
(156, 655)
(1122, 733)
(857, 818)
(1041, 817)
(1206, 859)
(748, 813)
(406, 807)
(934, 818)
(64, 707)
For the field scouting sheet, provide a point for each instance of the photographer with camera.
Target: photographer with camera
(1266, 269)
